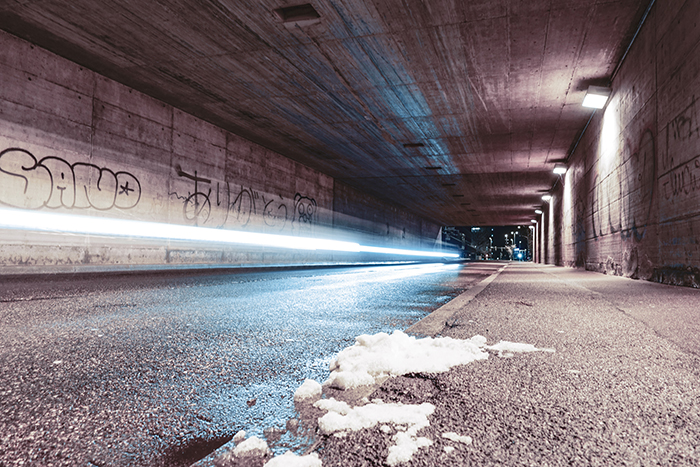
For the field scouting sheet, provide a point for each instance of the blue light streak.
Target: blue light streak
(86, 225)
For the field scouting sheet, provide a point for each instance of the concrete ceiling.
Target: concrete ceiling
(456, 109)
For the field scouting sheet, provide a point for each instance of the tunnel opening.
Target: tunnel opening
(484, 243)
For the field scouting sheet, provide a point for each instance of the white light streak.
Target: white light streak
(109, 227)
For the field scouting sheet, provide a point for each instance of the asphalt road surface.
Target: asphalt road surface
(160, 369)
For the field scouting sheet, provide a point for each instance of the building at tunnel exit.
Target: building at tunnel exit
(373, 123)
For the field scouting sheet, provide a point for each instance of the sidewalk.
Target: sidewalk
(621, 388)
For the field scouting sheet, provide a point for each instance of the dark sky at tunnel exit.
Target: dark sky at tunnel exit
(502, 236)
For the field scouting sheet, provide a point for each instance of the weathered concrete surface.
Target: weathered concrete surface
(72, 141)
(630, 203)
(620, 387)
(456, 110)
(444, 316)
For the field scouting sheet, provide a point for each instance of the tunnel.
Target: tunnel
(349, 233)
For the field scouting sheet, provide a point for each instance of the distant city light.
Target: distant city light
(86, 225)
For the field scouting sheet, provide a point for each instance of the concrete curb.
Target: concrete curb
(433, 324)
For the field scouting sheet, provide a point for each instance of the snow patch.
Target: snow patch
(407, 419)
(252, 446)
(383, 355)
(451, 435)
(238, 437)
(406, 445)
(332, 405)
(370, 415)
(507, 349)
(309, 390)
(289, 459)
(372, 359)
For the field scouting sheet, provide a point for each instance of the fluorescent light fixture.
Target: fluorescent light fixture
(538, 211)
(596, 97)
(102, 226)
(546, 197)
(559, 169)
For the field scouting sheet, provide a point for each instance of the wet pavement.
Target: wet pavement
(160, 369)
(621, 388)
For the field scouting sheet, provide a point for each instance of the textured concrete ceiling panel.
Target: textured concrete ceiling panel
(456, 109)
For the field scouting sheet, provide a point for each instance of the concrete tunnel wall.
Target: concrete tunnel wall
(75, 142)
(630, 202)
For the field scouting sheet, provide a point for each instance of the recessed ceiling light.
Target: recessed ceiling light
(298, 15)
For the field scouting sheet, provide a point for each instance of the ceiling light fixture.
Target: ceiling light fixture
(560, 169)
(538, 211)
(533, 221)
(596, 97)
(546, 197)
(298, 15)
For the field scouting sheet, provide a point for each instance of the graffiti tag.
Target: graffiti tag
(239, 206)
(632, 183)
(52, 182)
(681, 181)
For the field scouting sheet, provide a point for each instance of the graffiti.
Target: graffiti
(682, 129)
(305, 207)
(275, 215)
(240, 207)
(243, 205)
(681, 181)
(52, 182)
(679, 185)
(637, 187)
(196, 206)
(621, 200)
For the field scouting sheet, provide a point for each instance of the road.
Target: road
(159, 369)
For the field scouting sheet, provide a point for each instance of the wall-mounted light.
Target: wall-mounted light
(560, 169)
(546, 198)
(538, 211)
(596, 97)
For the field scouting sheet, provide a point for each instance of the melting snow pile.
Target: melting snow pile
(407, 419)
(289, 459)
(370, 360)
(309, 390)
(381, 355)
